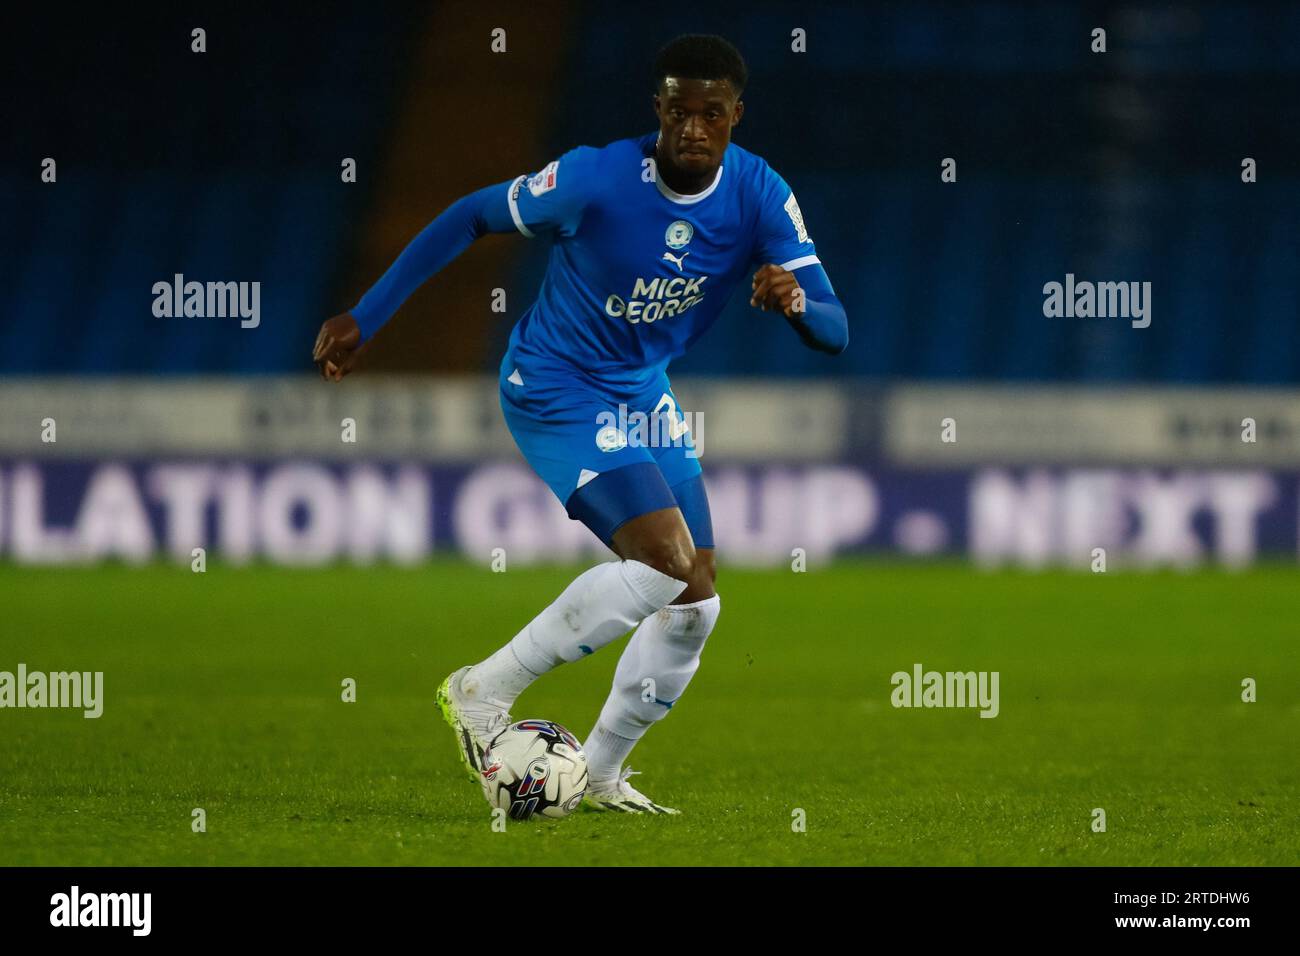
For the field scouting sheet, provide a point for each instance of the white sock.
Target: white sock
(665, 650)
(601, 604)
(608, 750)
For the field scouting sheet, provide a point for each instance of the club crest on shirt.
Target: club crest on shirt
(678, 234)
(544, 181)
(796, 217)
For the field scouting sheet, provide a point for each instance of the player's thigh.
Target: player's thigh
(661, 540)
(635, 513)
(679, 538)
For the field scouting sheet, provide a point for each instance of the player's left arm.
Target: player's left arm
(805, 297)
(791, 279)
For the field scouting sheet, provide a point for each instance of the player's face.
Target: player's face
(695, 120)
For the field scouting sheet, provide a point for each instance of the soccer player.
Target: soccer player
(649, 236)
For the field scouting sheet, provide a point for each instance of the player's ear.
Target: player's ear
(738, 112)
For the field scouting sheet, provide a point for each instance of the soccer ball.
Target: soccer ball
(535, 767)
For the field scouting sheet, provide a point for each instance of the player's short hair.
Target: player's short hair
(701, 56)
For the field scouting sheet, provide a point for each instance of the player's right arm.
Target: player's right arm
(552, 199)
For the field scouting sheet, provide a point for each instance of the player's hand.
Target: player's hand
(336, 352)
(777, 290)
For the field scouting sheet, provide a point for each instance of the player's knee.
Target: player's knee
(699, 585)
(672, 557)
(679, 563)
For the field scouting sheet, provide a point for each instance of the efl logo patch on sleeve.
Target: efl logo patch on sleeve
(544, 181)
(796, 217)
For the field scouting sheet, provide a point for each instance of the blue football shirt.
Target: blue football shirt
(638, 272)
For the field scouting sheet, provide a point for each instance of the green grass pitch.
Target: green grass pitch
(223, 691)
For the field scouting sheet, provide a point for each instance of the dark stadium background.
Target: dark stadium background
(1121, 165)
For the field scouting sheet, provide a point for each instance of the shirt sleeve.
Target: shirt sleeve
(823, 325)
(437, 244)
(781, 236)
(553, 199)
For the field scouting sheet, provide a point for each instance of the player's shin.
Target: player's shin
(652, 674)
(600, 605)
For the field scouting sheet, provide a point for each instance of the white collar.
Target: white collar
(686, 200)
